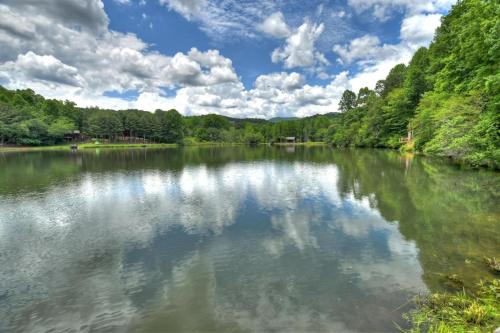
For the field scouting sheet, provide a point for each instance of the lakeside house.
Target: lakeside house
(290, 139)
(72, 136)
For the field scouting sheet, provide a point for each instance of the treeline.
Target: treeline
(29, 119)
(446, 102)
(219, 128)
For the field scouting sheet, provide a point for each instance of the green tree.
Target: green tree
(175, 126)
(3, 132)
(347, 101)
(32, 132)
(416, 82)
(252, 136)
(130, 120)
(105, 124)
(394, 79)
(215, 121)
(59, 128)
(171, 126)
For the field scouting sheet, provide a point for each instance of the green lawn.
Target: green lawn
(138, 145)
(309, 143)
(89, 146)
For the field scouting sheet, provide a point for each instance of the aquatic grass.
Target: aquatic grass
(463, 311)
(493, 264)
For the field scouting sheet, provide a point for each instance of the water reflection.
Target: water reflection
(230, 239)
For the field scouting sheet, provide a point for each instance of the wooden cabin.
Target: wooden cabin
(290, 139)
(73, 136)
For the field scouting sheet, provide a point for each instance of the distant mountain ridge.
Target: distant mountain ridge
(278, 119)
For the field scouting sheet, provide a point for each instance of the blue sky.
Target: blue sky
(168, 31)
(242, 58)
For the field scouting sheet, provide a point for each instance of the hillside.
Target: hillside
(446, 102)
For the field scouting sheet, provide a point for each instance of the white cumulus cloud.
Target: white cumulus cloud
(188, 8)
(382, 9)
(223, 19)
(299, 49)
(275, 26)
(65, 49)
(45, 68)
(419, 29)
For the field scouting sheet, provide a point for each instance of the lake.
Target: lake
(239, 239)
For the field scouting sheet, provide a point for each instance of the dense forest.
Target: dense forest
(445, 102)
(29, 119)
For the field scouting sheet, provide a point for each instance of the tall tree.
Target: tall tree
(416, 83)
(347, 101)
(171, 126)
(105, 124)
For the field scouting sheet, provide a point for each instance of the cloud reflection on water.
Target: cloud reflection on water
(286, 221)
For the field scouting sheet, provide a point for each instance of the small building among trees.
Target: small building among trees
(73, 136)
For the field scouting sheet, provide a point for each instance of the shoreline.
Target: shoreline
(67, 147)
(86, 146)
(141, 145)
(310, 143)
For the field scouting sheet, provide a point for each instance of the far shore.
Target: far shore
(140, 145)
(86, 146)
(309, 143)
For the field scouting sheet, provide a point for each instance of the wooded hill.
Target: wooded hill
(448, 97)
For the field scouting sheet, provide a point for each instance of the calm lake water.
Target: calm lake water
(234, 239)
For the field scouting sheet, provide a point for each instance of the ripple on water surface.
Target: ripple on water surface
(233, 239)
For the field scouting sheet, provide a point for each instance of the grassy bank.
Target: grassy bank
(127, 145)
(88, 146)
(33, 148)
(467, 310)
(464, 311)
(307, 144)
(140, 145)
